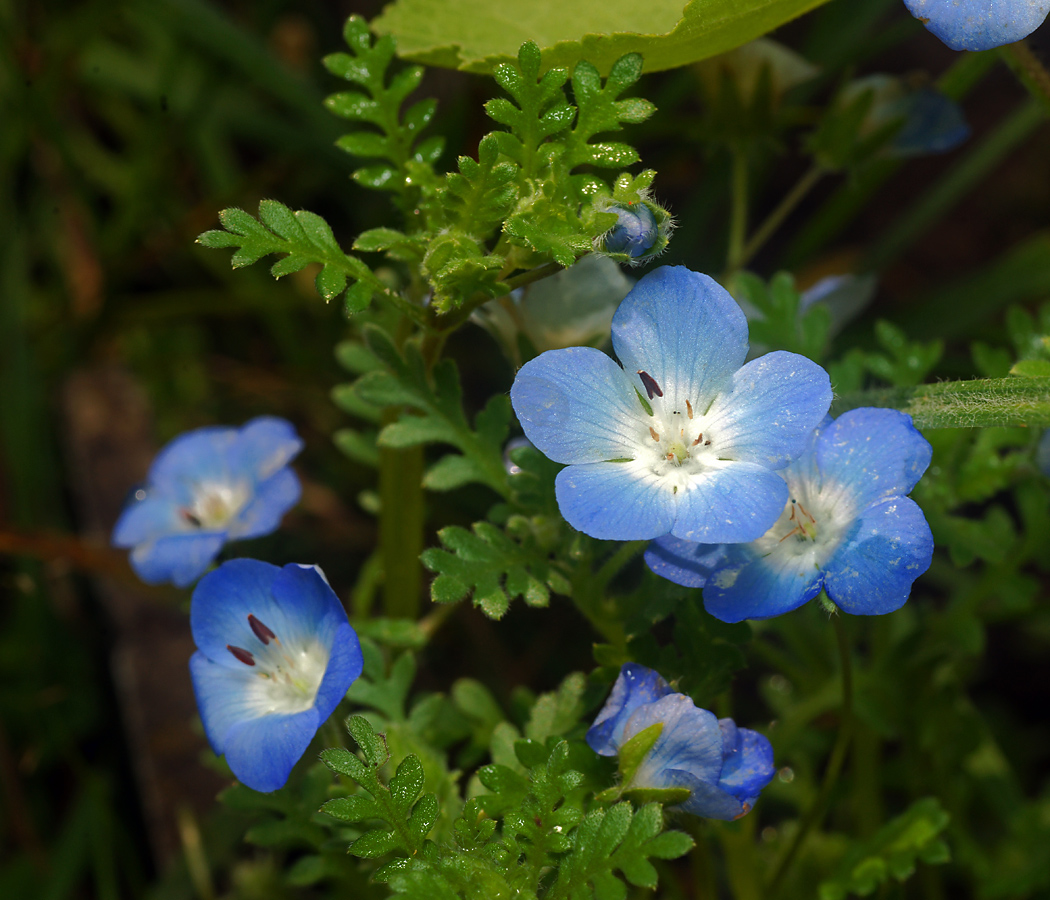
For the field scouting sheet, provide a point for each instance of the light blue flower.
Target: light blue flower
(847, 528)
(275, 656)
(979, 24)
(207, 487)
(723, 767)
(634, 233)
(683, 438)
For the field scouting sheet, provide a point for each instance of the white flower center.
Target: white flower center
(813, 523)
(215, 504)
(289, 673)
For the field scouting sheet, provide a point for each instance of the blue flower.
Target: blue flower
(979, 24)
(205, 488)
(684, 438)
(1042, 453)
(275, 656)
(847, 528)
(723, 767)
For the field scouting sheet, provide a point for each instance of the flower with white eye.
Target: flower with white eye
(682, 437)
(275, 656)
(207, 487)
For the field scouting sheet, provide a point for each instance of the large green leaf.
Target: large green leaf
(475, 35)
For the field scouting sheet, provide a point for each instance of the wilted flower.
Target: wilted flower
(276, 655)
(723, 767)
(847, 528)
(207, 487)
(684, 438)
(979, 24)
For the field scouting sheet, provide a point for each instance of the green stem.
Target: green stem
(617, 561)
(776, 218)
(838, 755)
(400, 526)
(981, 403)
(738, 212)
(1029, 70)
(955, 184)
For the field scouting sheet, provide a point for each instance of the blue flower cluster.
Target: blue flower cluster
(207, 487)
(750, 490)
(723, 767)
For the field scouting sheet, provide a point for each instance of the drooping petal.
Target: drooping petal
(146, 519)
(769, 413)
(635, 686)
(979, 24)
(747, 766)
(222, 603)
(873, 572)
(684, 562)
(615, 501)
(263, 446)
(273, 498)
(577, 406)
(690, 741)
(752, 586)
(179, 558)
(685, 331)
(734, 503)
(261, 752)
(198, 455)
(874, 454)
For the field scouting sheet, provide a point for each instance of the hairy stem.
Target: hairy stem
(1029, 70)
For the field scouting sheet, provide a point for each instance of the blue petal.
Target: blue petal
(344, 668)
(685, 331)
(224, 697)
(305, 605)
(615, 501)
(197, 455)
(635, 686)
(683, 562)
(690, 742)
(222, 602)
(263, 446)
(748, 762)
(1042, 453)
(979, 24)
(146, 519)
(738, 502)
(273, 498)
(634, 233)
(770, 412)
(261, 752)
(874, 454)
(749, 586)
(577, 406)
(179, 558)
(934, 123)
(873, 572)
(709, 800)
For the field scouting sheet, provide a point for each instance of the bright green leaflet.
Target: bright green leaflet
(475, 35)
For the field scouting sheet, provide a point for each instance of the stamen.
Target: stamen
(689, 408)
(190, 517)
(263, 633)
(651, 387)
(699, 438)
(796, 530)
(707, 443)
(744, 812)
(241, 655)
(654, 433)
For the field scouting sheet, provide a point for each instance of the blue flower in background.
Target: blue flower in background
(723, 767)
(1042, 453)
(275, 656)
(684, 438)
(979, 24)
(847, 528)
(207, 487)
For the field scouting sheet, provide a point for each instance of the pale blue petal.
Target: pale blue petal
(690, 742)
(198, 455)
(273, 498)
(305, 606)
(224, 697)
(738, 502)
(747, 766)
(979, 24)
(891, 546)
(874, 454)
(685, 331)
(616, 501)
(749, 586)
(179, 558)
(222, 603)
(684, 562)
(709, 801)
(1042, 453)
(769, 413)
(143, 520)
(577, 406)
(635, 686)
(263, 446)
(344, 668)
(261, 752)
(934, 123)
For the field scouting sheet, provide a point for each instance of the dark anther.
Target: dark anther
(241, 655)
(261, 631)
(190, 517)
(651, 387)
